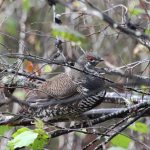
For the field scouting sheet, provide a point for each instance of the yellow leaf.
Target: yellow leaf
(47, 69)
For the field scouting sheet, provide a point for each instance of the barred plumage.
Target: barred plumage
(59, 87)
(64, 88)
(70, 110)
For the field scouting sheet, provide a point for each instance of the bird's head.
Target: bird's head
(90, 57)
(93, 58)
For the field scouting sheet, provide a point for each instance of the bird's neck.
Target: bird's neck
(74, 74)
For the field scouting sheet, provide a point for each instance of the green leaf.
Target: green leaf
(19, 131)
(39, 123)
(136, 11)
(23, 139)
(116, 148)
(11, 25)
(1, 39)
(36, 139)
(47, 69)
(4, 129)
(41, 140)
(121, 141)
(41, 134)
(38, 144)
(139, 127)
(147, 31)
(26, 5)
(68, 34)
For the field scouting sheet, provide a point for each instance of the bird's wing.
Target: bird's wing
(58, 87)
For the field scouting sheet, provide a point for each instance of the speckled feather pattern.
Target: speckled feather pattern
(61, 86)
(70, 110)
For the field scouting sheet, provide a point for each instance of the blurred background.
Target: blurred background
(26, 28)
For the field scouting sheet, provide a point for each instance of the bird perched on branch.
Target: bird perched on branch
(65, 84)
(70, 93)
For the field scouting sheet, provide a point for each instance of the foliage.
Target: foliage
(33, 139)
(139, 127)
(116, 148)
(25, 138)
(47, 69)
(26, 5)
(68, 34)
(4, 129)
(11, 26)
(147, 31)
(137, 11)
(121, 141)
(25, 28)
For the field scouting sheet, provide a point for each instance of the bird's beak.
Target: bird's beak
(100, 59)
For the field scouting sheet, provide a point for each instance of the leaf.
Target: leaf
(26, 5)
(4, 129)
(136, 11)
(121, 141)
(144, 88)
(41, 140)
(39, 123)
(147, 31)
(68, 34)
(11, 25)
(116, 148)
(29, 67)
(1, 40)
(47, 69)
(23, 139)
(20, 131)
(40, 143)
(35, 139)
(139, 127)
